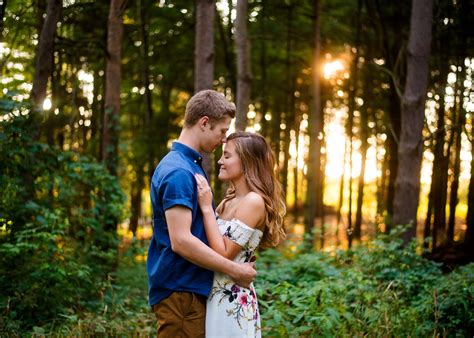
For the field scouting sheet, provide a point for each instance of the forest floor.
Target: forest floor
(124, 308)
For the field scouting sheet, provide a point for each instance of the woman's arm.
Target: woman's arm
(216, 241)
(249, 211)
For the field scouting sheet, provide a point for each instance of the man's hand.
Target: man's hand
(244, 274)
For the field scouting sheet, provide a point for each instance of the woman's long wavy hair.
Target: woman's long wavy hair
(260, 172)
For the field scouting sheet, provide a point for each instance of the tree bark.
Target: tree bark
(136, 200)
(459, 125)
(227, 49)
(350, 121)
(289, 98)
(204, 48)
(145, 74)
(407, 186)
(364, 134)
(113, 77)
(204, 57)
(393, 135)
(388, 43)
(45, 59)
(263, 95)
(315, 127)
(3, 6)
(469, 236)
(244, 76)
(435, 218)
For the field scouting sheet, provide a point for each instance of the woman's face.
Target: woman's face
(230, 164)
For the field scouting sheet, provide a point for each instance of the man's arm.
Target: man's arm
(188, 246)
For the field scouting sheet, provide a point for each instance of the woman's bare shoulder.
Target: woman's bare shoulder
(251, 210)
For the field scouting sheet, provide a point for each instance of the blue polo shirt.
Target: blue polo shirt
(173, 184)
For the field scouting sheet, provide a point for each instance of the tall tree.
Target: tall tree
(353, 83)
(204, 56)
(113, 78)
(3, 6)
(436, 213)
(313, 205)
(244, 76)
(389, 24)
(226, 43)
(469, 237)
(263, 57)
(458, 128)
(364, 144)
(146, 124)
(289, 96)
(407, 187)
(44, 59)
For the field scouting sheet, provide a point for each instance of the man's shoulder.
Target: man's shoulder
(173, 161)
(171, 170)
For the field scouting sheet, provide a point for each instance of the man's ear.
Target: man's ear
(204, 121)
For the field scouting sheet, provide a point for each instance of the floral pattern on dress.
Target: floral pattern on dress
(244, 301)
(230, 305)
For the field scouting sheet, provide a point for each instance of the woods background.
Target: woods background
(367, 104)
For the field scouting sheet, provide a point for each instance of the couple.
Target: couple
(197, 260)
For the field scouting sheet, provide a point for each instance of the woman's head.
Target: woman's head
(257, 165)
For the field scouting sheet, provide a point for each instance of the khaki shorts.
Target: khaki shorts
(182, 314)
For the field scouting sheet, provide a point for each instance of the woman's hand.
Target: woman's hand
(204, 194)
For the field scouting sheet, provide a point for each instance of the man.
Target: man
(180, 263)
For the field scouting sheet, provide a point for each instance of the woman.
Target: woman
(250, 215)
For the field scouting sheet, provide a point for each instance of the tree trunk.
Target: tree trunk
(244, 76)
(381, 187)
(407, 186)
(3, 6)
(364, 134)
(275, 129)
(145, 74)
(204, 48)
(469, 236)
(97, 116)
(350, 121)
(136, 200)
(436, 202)
(289, 97)
(388, 45)
(439, 225)
(393, 135)
(459, 125)
(113, 77)
(295, 168)
(45, 58)
(204, 57)
(263, 95)
(315, 127)
(227, 48)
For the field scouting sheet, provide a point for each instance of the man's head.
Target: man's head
(208, 103)
(209, 113)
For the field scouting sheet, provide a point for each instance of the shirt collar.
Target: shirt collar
(187, 151)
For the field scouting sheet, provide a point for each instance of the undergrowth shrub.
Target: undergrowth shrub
(381, 288)
(56, 212)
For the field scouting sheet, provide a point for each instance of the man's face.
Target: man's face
(216, 134)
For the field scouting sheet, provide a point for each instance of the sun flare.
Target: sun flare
(331, 68)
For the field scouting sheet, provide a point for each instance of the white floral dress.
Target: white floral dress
(232, 311)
